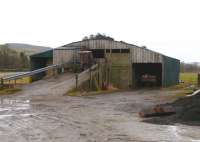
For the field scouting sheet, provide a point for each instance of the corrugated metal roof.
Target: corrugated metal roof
(45, 54)
(103, 43)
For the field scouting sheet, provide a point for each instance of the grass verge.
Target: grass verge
(74, 92)
(187, 85)
(9, 91)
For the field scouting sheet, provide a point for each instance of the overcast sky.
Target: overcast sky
(171, 27)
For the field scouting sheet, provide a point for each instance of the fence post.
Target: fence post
(55, 72)
(62, 69)
(1, 85)
(9, 84)
(90, 85)
(198, 83)
(76, 76)
(98, 73)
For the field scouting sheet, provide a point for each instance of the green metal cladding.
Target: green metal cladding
(45, 54)
(171, 69)
(41, 60)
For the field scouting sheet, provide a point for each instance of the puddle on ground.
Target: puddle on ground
(11, 115)
(13, 107)
(6, 101)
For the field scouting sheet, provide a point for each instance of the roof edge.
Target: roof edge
(130, 44)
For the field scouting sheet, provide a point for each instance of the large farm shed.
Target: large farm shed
(128, 66)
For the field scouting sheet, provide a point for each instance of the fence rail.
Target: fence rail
(85, 75)
(30, 73)
(79, 77)
(17, 76)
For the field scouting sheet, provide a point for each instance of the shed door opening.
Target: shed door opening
(37, 63)
(147, 74)
(98, 53)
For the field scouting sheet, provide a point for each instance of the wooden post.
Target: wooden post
(9, 84)
(76, 81)
(90, 82)
(15, 83)
(1, 86)
(55, 72)
(62, 69)
(98, 74)
(107, 76)
(198, 83)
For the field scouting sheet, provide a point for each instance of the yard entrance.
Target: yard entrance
(147, 74)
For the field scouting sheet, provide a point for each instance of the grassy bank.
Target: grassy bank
(189, 78)
(24, 80)
(188, 84)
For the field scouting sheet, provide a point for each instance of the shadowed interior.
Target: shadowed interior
(147, 74)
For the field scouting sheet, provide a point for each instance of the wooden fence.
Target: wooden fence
(86, 75)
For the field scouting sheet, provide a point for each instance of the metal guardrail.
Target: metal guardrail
(25, 74)
(17, 76)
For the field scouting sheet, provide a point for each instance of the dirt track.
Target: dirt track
(38, 115)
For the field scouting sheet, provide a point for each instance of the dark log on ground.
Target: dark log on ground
(157, 111)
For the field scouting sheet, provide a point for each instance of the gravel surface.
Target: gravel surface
(38, 114)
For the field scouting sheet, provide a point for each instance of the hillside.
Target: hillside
(27, 48)
(12, 60)
(15, 56)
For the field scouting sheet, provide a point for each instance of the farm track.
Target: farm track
(41, 113)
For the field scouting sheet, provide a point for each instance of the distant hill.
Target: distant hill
(195, 63)
(190, 67)
(27, 48)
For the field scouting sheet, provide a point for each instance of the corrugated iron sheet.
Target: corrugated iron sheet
(137, 54)
(171, 69)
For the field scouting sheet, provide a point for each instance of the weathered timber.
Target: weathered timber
(157, 111)
(1, 83)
